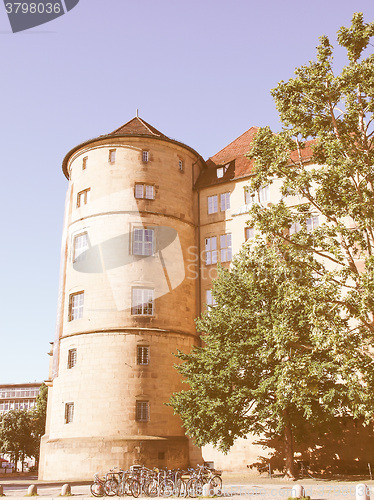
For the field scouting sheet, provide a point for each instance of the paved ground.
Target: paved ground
(235, 485)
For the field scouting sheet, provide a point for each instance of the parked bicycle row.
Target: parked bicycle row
(139, 480)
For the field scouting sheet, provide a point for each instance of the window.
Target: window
(249, 197)
(211, 250)
(142, 357)
(142, 301)
(145, 156)
(295, 227)
(249, 233)
(222, 170)
(212, 204)
(146, 191)
(112, 155)
(69, 412)
(210, 300)
(263, 194)
(84, 163)
(72, 358)
(83, 197)
(312, 223)
(76, 301)
(80, 245)
(142, 243)
(142, 411)
(226, 250)
(180, 165)
(225, 201)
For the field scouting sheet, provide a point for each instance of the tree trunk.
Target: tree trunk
(289, 454)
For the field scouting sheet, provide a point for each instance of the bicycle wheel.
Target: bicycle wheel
(111, 487)
(166, 488)
(97, 489)
(194, 487)
(180, 488)
(127, 486)
(134, 487)
(215, 486)
(151, 487)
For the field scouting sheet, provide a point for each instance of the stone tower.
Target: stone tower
(128, 299)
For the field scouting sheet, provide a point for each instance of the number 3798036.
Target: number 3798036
(33, 8)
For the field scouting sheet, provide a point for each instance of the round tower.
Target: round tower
(128, 299)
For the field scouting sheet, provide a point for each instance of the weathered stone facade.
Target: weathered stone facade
(146, 221)
(128, 302)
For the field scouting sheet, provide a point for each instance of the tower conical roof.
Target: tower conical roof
(137, 126)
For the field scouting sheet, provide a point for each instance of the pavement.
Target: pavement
(236, 486)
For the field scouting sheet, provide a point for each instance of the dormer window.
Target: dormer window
(222, 170)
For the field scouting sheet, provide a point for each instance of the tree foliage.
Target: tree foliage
(286, 347)
(16, 437)
(39, 415)
(324, 157)
(21, 430)
(276, 356)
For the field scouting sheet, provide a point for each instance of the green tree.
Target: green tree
(38, 419)
(277, 358)
(16, 437)
(21, 430)
(324, 156)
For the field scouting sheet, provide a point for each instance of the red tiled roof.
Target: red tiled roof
(234, 157)
(306, 152)
(137, 126)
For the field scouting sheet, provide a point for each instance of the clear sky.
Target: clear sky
(199, 70)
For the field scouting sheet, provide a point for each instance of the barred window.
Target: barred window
(142, 302)
(69, 412)
(72, 358)
(142, 411)
(211, 250)
(142, 355)
(143, 241)
(76, 301)
(145, 156)
(226, 249)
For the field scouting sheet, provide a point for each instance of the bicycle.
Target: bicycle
(202, 476)
(97, 488)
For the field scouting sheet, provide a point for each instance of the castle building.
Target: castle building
(146, 221)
